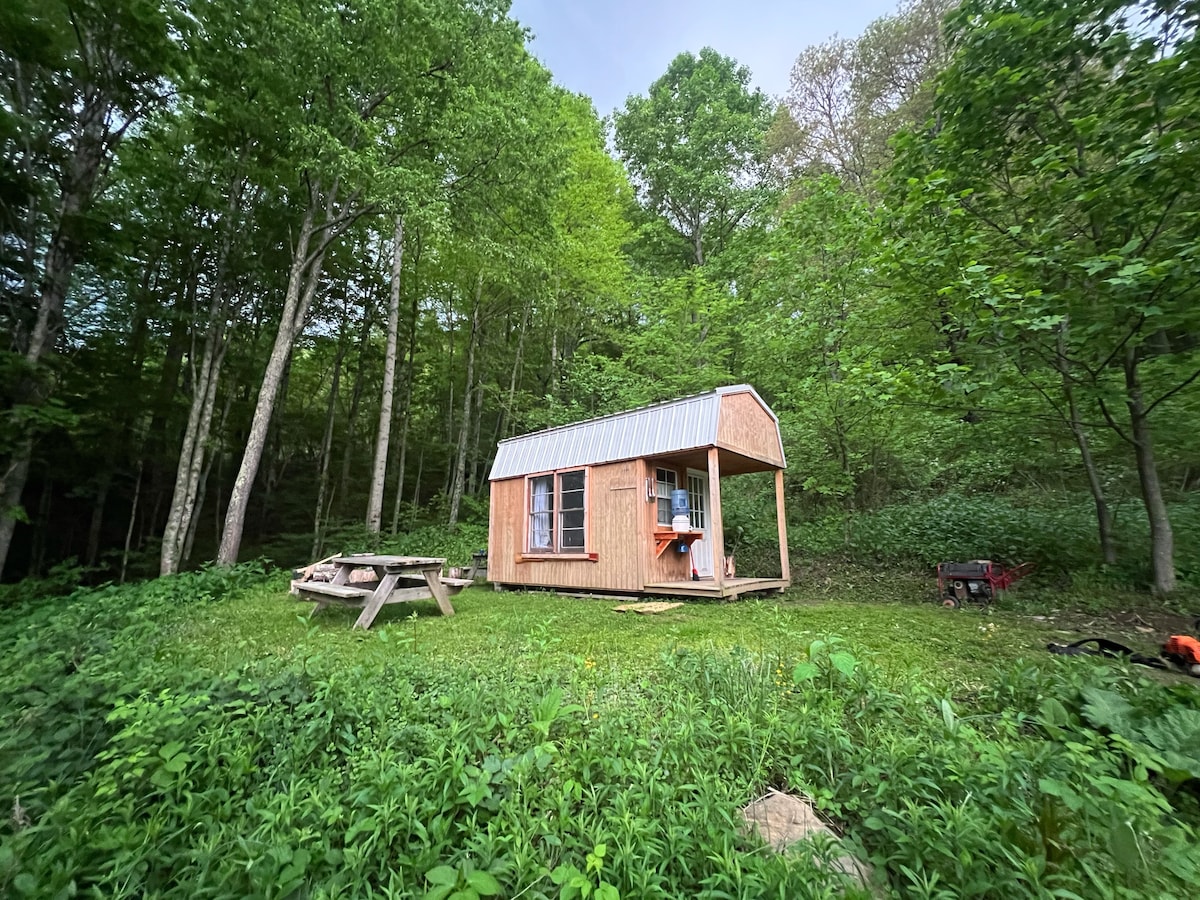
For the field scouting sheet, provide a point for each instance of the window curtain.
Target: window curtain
(540, 533)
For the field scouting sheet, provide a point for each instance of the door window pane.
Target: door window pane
(698, 501)
(667, 482)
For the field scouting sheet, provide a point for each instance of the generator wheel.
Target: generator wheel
(950, 603)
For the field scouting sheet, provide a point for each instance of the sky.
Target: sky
(609, 49)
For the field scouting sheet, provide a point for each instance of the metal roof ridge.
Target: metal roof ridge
(718, 391)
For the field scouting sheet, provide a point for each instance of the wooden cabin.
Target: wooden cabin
(587, 507)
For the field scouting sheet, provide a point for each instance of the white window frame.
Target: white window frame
(549, 524)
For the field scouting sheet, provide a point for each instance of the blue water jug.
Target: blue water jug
(679, 503)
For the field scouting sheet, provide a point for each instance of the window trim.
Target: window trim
(556, 550)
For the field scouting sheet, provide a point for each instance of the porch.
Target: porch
(708, 587)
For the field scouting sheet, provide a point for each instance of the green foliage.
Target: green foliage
(1058, 536)
(455, 545)
(349, 763)
(694, 146)
(1163, 738)
(62, 579)
(1052, 222)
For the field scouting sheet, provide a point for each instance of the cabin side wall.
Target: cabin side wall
(614, 493)
(745, 427)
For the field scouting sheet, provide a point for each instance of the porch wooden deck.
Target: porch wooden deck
(707, 587)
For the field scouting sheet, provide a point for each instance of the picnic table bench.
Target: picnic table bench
(398, 579)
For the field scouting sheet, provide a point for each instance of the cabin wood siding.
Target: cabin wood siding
(672, 565)
(614, 493)
(745, 426)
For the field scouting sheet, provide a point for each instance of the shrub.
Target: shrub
(1059, 535)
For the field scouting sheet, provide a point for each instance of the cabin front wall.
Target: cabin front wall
(746, 427)
(672, 565)
(614, 537)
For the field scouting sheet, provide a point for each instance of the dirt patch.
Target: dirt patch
(1144, 629)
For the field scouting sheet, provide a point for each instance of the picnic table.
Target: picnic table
(397, 579)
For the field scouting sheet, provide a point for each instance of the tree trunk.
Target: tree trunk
(473, 480)
(464, 434)
(379, 470)
(303, 276)
(79, 184)
(276, 454)
(37, 555)
(352, 419)
(406, 412)
(416, 501)
(194, 524)
(192, 451)
(409, 374)
(1162, 540)
(327, 448)
(507, 413)
(133, 511)
(1104, 526)
(12, 486)
(95, 526)
(205, 379)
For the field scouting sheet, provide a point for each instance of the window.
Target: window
(541, 515)
(572, 512)
(667, 481)
(558, 513)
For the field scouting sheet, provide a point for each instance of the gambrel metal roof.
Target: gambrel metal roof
(669, 427)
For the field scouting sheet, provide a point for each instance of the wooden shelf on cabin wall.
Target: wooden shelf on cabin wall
(664, 539)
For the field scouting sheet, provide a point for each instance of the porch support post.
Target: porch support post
(718, 526)
(784, 569)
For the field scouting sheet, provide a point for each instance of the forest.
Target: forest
(278, 276)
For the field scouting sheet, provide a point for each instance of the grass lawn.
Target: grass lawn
(535, 631)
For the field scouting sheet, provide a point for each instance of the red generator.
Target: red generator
(978, 581)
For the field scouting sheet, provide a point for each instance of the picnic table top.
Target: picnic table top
(399, 562)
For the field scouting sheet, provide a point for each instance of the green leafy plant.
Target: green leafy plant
(588, 883)
(463, 882)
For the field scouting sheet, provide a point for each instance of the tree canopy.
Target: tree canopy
(282, 274)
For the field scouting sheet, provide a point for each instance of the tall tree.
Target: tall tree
(76, 75)
(379, 470)
(374, 87)
(694, 148)
(849, 96)
(1063, 163)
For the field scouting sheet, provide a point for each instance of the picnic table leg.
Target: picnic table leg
(321, 604)
(376, 600)
(433, 577)
(342, 575)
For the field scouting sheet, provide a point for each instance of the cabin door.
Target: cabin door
(702, 556)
